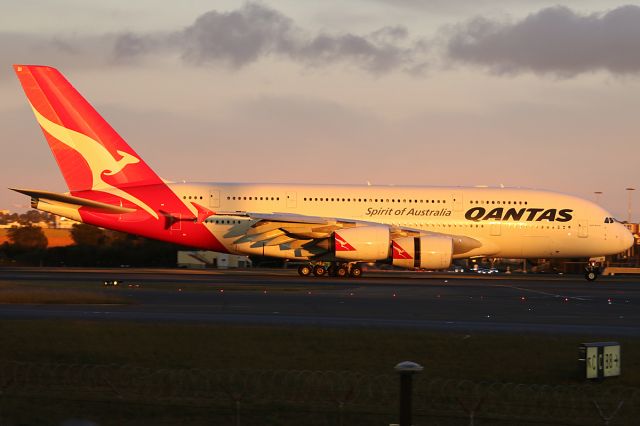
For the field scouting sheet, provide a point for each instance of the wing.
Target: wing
(313, 233)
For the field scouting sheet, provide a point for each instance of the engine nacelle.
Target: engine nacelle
(364, 243)
(428, 252)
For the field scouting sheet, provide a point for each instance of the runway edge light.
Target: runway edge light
(600, 359)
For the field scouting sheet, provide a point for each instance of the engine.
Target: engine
(364, 243)
(428, 252)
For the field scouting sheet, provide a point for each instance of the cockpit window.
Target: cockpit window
(609, 220)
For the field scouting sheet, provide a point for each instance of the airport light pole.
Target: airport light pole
(629, 190)
(406, 369)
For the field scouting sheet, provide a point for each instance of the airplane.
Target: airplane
(342, 226)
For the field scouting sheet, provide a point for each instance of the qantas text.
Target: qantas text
(531, 214)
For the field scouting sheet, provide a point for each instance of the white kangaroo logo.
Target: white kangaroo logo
(98, 158)
(400, 252)
(344, 245)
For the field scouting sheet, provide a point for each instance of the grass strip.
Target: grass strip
(519, 358)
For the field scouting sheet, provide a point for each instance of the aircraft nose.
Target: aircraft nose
(628, 239)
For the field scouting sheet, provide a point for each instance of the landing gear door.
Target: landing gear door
(214, 198)
(583, 228)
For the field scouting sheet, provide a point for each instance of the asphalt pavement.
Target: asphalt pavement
(449, 302)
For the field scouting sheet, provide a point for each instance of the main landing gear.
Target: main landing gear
(592, 271)
(340, 270)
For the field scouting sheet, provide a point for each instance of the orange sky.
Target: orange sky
(406, 92)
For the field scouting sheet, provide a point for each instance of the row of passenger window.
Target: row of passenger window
(431, 225)
(254, 198)
(223, 222)
(373, 200)
(476, 225)
(499, 202)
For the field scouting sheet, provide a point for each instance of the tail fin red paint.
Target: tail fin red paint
(90, 154)
(110, 185)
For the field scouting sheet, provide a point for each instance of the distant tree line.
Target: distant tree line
(28, 218)
(92, 246)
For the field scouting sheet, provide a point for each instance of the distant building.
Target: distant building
(210, 259)
(64, 223)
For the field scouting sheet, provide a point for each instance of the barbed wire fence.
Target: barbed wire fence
(121, 394)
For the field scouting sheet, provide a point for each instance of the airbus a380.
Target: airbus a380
(338, 225)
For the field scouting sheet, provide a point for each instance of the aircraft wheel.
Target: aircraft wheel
(356, 271)
(591, 275)
(341, 272)
(304, 270)
(319, 271)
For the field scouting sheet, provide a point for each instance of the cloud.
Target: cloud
(254, 31)
(238, 37)
(555, 40)
(232, 39)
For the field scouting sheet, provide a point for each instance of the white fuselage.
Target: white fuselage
(509, 222)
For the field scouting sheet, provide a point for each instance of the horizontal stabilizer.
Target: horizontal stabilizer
(75, 201)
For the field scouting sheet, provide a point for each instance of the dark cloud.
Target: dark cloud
(255, 31)
(233, 39)
(238, 37)
(554, 40)
(128, 46)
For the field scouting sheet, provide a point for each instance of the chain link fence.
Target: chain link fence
(121, 395)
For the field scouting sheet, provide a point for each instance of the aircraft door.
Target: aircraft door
(583, 228)
(456, 201)
(495, 229)
(291, 200)
(214, 198)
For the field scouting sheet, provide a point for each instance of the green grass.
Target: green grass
(478, 357)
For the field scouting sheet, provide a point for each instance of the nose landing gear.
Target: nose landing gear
(592, 271)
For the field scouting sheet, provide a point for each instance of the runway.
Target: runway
(448, 302)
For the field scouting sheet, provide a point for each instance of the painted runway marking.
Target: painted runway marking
(544, 293)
